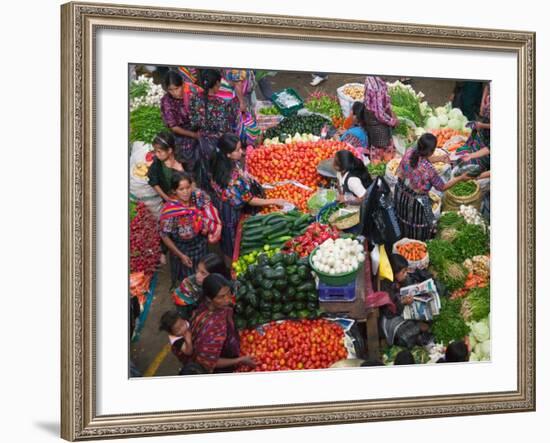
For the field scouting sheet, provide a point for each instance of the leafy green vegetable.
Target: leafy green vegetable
(480, 303)
(406, 104)
(451, 219)
(463, 189)
(324, 104)
(470, 241)
(377, 170)
(145, 123)
(133, 209)
(440, 252)
(449, 324)
(453, 275)
(138, 89)
(270, 110)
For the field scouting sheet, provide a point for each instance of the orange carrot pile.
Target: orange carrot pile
(412, 251)
(444, 135)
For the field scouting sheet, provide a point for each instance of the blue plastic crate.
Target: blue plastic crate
(344, 293)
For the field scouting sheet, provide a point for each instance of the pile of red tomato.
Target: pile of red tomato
(315, 235)
(295, 161)
(289, 193)
(294, 345)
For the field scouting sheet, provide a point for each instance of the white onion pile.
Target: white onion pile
(338, 256)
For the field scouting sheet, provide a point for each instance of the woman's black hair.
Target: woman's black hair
(172, 78)
(347, 162)
(208, 79)
(358, 109)
(424, 148)
(214, 264)
(456, 352)
(168, 320)
(212, 285)
(398, 263)
(404, 358)
(220, 165)
(177, 177)
(165, 140)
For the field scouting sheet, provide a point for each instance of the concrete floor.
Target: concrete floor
(150, 353)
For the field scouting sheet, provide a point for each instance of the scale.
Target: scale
(344, 293)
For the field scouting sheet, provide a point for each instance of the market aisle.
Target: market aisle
(149, 351)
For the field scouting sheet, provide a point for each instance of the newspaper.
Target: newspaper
(426, 303)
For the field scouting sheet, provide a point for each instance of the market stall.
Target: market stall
(304, 277)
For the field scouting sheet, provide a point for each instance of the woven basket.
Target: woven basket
(453, 202)
(347, 222)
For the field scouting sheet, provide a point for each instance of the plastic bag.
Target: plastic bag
(140, 190)
(346, 102)
(386, 271)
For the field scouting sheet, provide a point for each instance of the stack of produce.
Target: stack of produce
(315, 235)
(271, 230)
(302, 124)
(478, 275)
(241, 265)
(446, 134)
(144, 241)
(294, 345)
(447, 117)
(144, 92)
(471, 215)
(449, 325)
(276, 288)
(145, 123)
(477, 304)
(338, 257)
(291, 139)
(269, 110)
(377, 170)
(409, 108)
(296, 161)
(291, 193)
(355, 92)
(413, 251)
(320, 199)
(322, 103)
(480, 340)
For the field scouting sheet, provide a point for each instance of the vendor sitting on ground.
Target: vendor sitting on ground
(357, 134)
(353, 177)
(396, 329)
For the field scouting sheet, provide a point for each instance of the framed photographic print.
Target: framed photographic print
(283, 221)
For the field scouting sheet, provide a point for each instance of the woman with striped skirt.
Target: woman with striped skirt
(416, 176)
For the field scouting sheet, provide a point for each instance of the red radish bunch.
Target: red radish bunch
(144, 241)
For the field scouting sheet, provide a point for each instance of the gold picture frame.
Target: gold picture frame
(80, 21)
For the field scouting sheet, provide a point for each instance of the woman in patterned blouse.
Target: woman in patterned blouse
(357, 134)
(231, 185)
(187, 223)
(416, 176)
(175, 112)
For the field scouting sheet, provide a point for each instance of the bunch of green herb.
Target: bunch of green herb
(133, 209)
(406, 104)
(451, 219)
(145, 123)
(324, 104)
(471, 240)
(453, 275)
(441, 252)
(479, 300)
(377, 170)
(463, 189)
(449, 325)
(138, 89)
